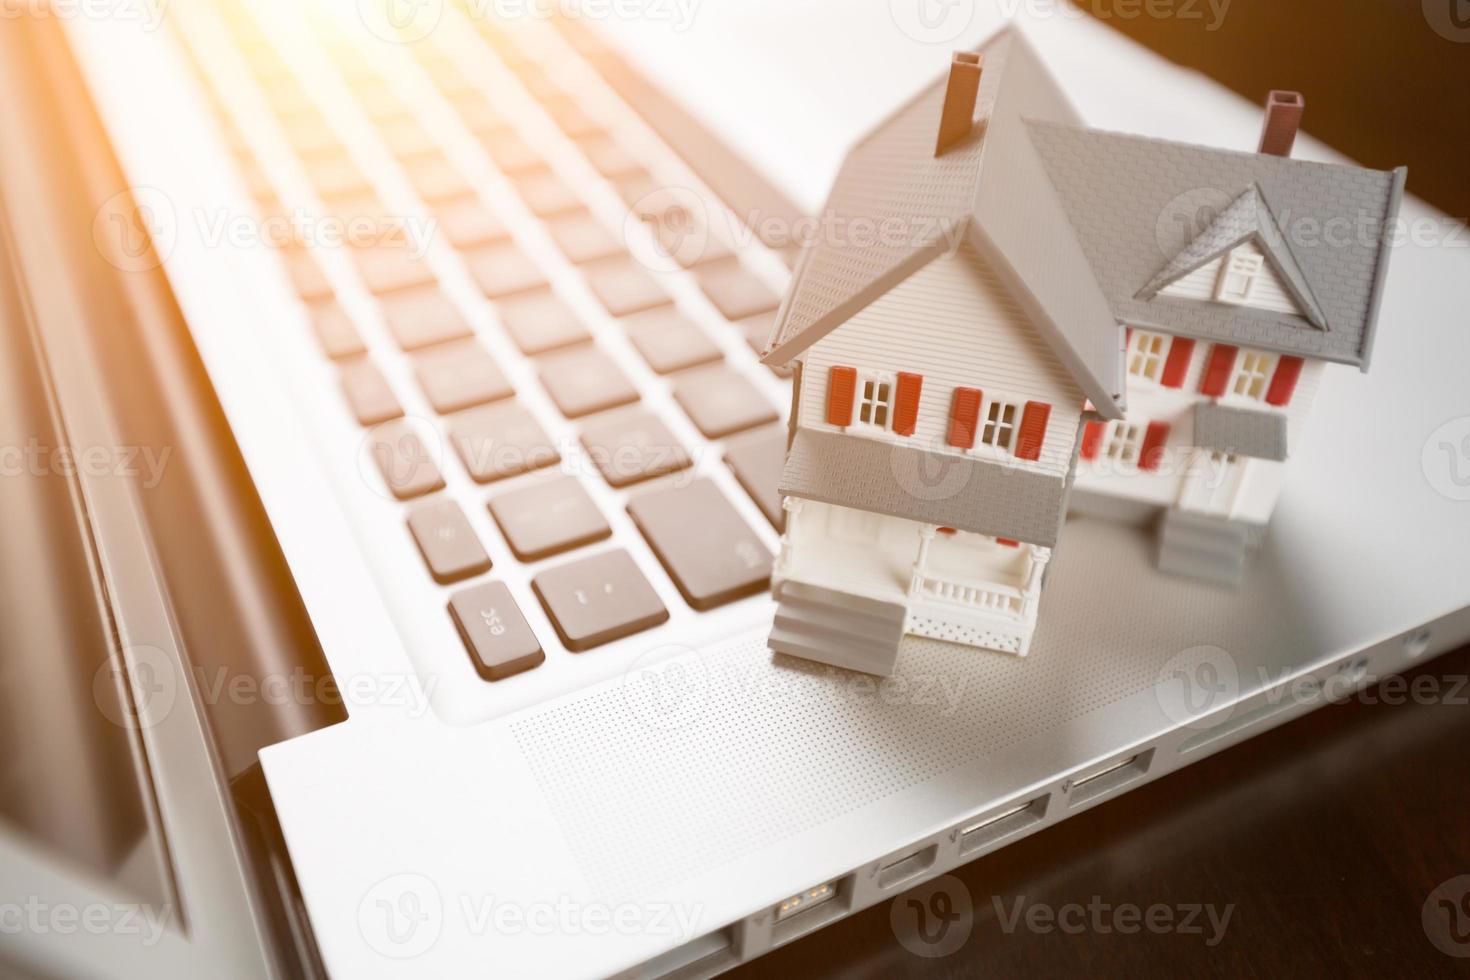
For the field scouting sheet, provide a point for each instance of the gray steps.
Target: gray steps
(1202, 547)
(836, 628)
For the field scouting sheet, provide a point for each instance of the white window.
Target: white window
(1122, 442)
(1252, 375)
(999, 428)
(1146, 355)
(1238, 274)
(875, 401)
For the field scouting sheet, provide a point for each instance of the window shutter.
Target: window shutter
(1217, 372)
(841, 390)
(1092, 437)
(1033, 430)
(1177, 365)
(964, 417)
(906, 403)
(1283, 384)
(1152, 453)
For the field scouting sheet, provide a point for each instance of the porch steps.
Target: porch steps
(1202, 547)
(837, 628)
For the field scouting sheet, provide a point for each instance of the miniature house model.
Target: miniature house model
(1010, 302)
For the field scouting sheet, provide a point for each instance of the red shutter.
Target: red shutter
(1033, 430)
(1177, 365)
(841, 390)
(1217, 372)
(1283, 383)
(1152, 453)
(1008, 542)
(1092, 439)
(964, 417)
(906, 403)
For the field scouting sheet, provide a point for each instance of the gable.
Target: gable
(1268, 291)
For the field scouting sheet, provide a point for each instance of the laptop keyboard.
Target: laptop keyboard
(641, 393)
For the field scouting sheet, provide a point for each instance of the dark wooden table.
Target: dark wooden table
(1322, 840)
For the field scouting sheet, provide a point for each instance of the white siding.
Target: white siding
(1269, 293)
(956, 324)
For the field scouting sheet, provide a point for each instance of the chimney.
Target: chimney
(958, 116)
(1283, 118)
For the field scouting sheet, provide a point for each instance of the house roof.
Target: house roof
(989, 189)
(1261, 435)
(964, 492)
(1136, 202)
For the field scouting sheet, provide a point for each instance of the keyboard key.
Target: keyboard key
(539, 322)
(638, 187)
(735, 292)
(405, 137)
(711, 554)
(546, 194)
(632, 446)
(478, 114)
(597, 600)
(466, 222)
(583, 238)
(669, 342)
(511, 153)
(389, 267)
(497, 636)
(421, 317)
(720, 402)
(610, 159)
(307, 276)
(436, 179)
(548, 517)
(584, 380)
(571, 118)
(368, 394)
(447, 541)
(459, 375)
(625, 287)
(680, 237)
(499, 441)
(334, 330)
(335, 174)
(404, 462)
(501, 270)
(757, 459)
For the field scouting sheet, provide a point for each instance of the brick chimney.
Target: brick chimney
(1283, 118)
(958, 116)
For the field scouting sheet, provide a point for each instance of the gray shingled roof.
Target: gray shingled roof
(1261, 435)
(967, 493)
(1132, 200)
(1011, 213)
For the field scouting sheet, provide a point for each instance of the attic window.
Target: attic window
(1146, 355)
(999, 427)
(875, 404)
(1238, 274)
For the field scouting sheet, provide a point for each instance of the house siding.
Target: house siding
(956, 324)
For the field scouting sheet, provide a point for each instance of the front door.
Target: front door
(1212, 484)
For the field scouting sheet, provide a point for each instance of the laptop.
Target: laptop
(467, 285)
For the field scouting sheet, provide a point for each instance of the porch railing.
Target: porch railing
(1001, 599)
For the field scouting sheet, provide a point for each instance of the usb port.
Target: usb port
(808, 899)
(997, 826)
(1113, 776)
(811, 909)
